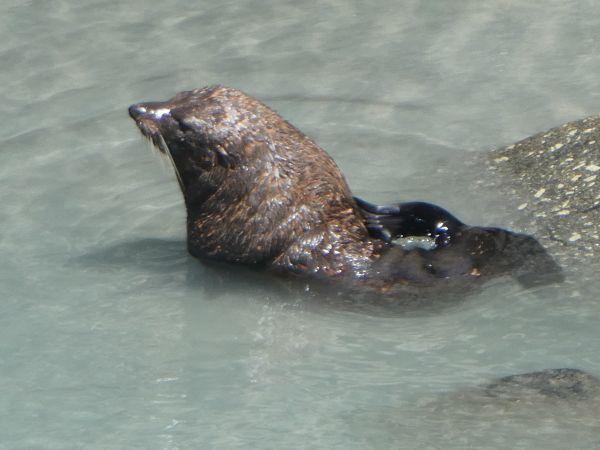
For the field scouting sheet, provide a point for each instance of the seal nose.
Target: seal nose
(137, 110)
(154, 111)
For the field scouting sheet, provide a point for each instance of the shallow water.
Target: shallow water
(111, 336)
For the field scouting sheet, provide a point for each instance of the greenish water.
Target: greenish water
(111, 336)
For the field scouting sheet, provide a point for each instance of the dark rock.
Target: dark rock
(551, 383)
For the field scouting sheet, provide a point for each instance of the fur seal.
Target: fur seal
(260, 192)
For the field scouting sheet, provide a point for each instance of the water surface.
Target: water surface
(111, 336)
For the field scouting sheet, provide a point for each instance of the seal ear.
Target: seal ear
(223, 157)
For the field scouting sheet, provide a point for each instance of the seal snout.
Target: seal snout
(150, 111)
(137, 110)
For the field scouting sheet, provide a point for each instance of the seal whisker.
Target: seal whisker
(167, 152)
(162, 150)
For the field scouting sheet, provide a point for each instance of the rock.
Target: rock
(554, 178)
(551, 383)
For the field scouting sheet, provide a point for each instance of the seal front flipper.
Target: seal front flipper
(371, 208)
(382, 222)
(519, 254)
(389, 222)
(487, 251)
(497, 252)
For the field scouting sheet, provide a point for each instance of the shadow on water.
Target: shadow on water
(169, 257)
(150, 254)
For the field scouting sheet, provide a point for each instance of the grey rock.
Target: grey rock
(510, 412)
(572, 384)
(554, 177)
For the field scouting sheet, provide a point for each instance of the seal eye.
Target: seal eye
(185, 126)
(188, 123)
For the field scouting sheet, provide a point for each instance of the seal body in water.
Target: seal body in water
(258, 191)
